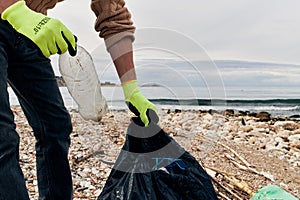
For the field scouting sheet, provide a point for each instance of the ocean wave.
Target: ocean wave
(274, 106)
(244, 102)
(268, 108)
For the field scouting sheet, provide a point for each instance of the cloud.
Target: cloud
(233, 29)
(239, 73)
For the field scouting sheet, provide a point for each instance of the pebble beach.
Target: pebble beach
(253, 150)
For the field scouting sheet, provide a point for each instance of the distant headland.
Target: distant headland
(61, 82)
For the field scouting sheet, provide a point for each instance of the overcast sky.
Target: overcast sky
(256, 30)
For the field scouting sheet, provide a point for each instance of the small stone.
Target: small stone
(284, 134)
(294, 140)
(86, 170)
(208, 117)
(252, 140)
(264, 116)
(229, 112)
(290, 126)
(296, 132)
(247, 128)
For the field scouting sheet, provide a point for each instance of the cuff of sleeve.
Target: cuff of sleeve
(110, 41)
(120, 45)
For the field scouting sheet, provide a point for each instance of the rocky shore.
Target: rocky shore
(250, 149)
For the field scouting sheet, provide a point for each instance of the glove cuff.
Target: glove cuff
(13, 10)
(129, 88)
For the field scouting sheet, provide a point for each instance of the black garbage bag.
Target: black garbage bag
(152, 166)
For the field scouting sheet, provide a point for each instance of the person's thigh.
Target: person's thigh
(34, 82)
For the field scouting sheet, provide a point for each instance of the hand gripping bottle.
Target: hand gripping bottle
(82, 82)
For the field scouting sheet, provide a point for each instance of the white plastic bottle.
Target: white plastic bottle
(83, 84)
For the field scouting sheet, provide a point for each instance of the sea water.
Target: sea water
(284, 101)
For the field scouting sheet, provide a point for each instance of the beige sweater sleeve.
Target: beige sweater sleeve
(41, 5)
(113, 21)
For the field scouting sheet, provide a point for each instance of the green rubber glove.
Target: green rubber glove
(50, 35)
(137, 103)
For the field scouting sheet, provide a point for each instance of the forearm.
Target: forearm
(5, 4)
(122, 56)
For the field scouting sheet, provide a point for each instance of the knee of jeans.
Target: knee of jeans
(60, 129)
(9, 142)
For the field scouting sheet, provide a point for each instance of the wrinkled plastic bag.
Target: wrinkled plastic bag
(152, 166)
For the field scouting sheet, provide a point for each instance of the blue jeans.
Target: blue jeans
(31, 76)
